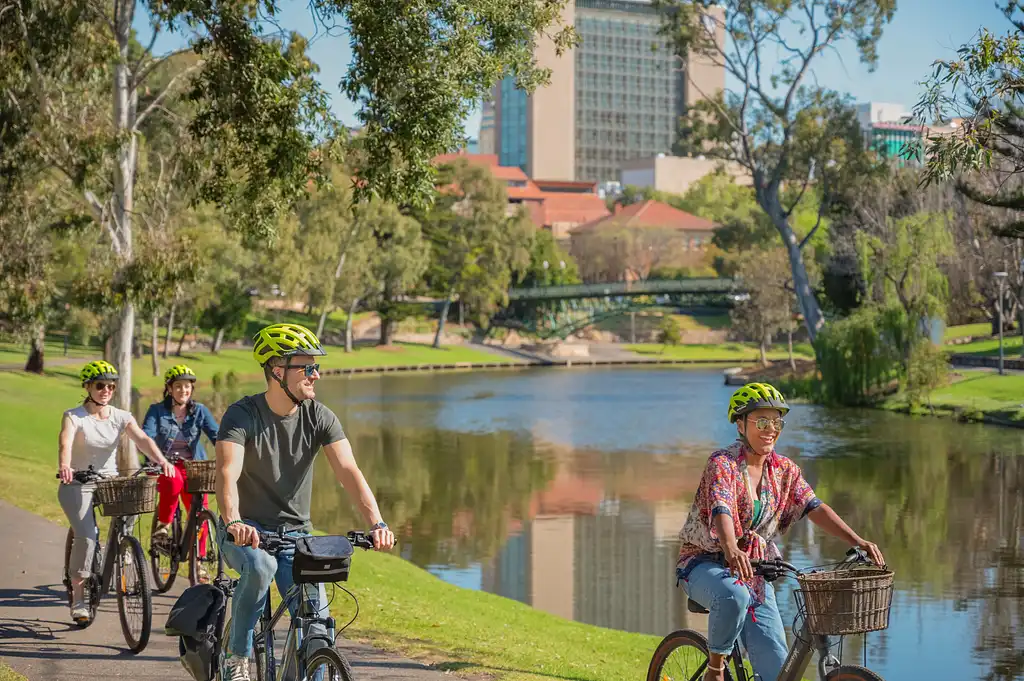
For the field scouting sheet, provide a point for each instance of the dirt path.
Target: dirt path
(38, 640)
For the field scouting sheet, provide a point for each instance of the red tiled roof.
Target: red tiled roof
(574, 208)
(567, 187)
(650, 214)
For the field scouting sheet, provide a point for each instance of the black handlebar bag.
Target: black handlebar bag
(322, 559)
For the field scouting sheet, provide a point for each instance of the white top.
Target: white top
(96, 439)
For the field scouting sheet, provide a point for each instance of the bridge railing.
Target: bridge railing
(628, 288)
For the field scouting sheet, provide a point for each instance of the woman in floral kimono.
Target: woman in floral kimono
(749, 494)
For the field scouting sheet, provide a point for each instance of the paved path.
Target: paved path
(38, 640)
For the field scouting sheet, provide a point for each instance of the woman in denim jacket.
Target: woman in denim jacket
(176, 425)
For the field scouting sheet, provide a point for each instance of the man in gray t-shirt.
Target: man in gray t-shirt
(266, 447)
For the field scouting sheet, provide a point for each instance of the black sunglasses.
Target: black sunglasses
(99, 385)
(307, 369)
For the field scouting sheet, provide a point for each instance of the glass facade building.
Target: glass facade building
(512, 133)
(629, 91)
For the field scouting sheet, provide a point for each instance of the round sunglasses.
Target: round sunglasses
(762, 423)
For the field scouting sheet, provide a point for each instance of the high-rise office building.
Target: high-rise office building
(618, 96)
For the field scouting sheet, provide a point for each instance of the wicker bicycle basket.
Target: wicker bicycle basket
(200, 477)
(128, 495)
(847, 601)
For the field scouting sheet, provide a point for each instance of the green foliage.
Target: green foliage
(561, 268)
(668, 331)
(928, 369)
(860, 356)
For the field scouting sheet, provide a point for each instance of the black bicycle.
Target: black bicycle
(167, 551)
(309, 651)
(121, 565)
(827, 608)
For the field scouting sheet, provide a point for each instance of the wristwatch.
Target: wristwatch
(379, 526)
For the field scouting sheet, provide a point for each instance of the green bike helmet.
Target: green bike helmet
(98, 370)
(755, 396)
(284, 340)
(179, 372)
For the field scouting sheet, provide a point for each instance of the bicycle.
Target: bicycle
(167, 552)
(309, 643)
(813, 634)
(124, 498)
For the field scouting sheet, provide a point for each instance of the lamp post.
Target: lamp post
(1000, 277)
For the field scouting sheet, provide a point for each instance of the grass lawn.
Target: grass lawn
(720, 351)
(967, 330)
(8, 674)
(403, 608)
(989, 393)
(17, 353)
(241, 362)
(989, 348)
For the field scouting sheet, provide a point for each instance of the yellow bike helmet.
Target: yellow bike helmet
(755, 396)
(98, 370)
(284, 340)
(179, 371)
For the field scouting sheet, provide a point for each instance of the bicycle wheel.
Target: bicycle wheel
(263, 651)
(134, 601)
(852, 672)
(67, 564)
(93, 583)
(163, 554)
(681, 656)
(203, 569)
(327, 664)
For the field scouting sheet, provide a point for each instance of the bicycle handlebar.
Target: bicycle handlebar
(773, 569)
(274, 543)
(90, 474)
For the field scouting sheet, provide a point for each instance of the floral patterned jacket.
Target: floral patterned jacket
(785, 498)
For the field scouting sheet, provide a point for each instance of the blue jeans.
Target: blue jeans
(764, 638)
(257, 570)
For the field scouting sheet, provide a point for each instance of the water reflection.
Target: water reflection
(564, 489)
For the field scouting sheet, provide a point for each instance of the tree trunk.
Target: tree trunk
(127, 460)
(384, 312)
(125, 103)
(348, 325)
(156, 342)
(385, 331)
(764, 350)
(813, 318)
(181, 341)
(108, 348)
(1020, 317)
(217, 341)
(170, 328)
(444, 317)
(462, 312)
(37, 350)
(789, 342)
(632, 328)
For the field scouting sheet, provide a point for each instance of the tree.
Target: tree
(668, 332)
(476, 248)
(768, 309)
(613, 253)
(398, 259)
(549, 264)
(780, 130)
(261, 116)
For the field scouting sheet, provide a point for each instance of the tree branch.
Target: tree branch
(141, 77)
(160, 97)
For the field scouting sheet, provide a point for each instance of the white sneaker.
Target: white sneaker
(236, 669)
(162, 530)
(80, 611)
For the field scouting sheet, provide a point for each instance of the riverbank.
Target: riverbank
(402, 607)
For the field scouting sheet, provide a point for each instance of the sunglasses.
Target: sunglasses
(763, 422)
(100, 386)
(308, 369)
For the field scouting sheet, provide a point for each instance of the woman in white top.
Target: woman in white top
(89, 436)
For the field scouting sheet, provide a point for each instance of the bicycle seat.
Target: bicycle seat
(695, 607)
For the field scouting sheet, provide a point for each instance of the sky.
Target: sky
(921, 32)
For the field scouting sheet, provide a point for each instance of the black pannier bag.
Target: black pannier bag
(322, 559)
(197, 619)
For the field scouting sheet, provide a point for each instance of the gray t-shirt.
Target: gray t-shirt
(276, 483)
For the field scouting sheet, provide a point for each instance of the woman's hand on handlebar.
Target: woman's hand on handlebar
(245, 535)
(738, 562)
(66, 474)
(383, 539)
(872, 550)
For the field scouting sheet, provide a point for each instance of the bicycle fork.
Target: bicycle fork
(309, 632)
(800, 656)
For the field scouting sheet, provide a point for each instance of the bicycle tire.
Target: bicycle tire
(131, 546)
(263, 653)
(853, 672)
(331, 658)
(170, 552)
(67, 565)
(683, 638)
(207, 518)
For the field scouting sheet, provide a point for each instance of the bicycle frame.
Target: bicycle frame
(188, 533)
(119, 528)
(305, 617)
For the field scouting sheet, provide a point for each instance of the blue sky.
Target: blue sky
(921, 32)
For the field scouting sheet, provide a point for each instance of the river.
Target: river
(565, 488)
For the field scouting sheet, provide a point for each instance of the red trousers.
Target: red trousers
(171, 490)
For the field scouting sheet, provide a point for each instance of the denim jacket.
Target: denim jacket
(161, 425)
